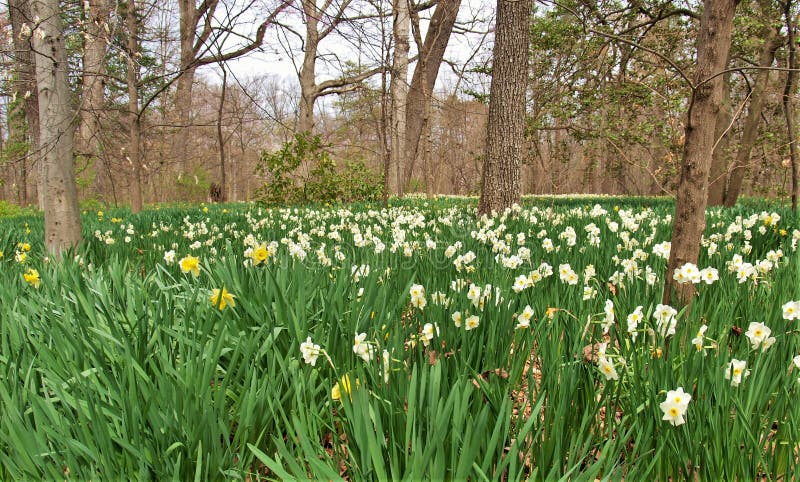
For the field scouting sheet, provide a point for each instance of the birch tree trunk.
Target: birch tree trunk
(62, 221)
(504, 143)
(713, 45)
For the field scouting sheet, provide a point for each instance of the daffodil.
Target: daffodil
(259, 254)
(471, 322)
(345, 386)
(758, 334)
(700, 338)
(32, 277)
(791, 310)
(190, 264)
(735, 371)
(674, 407)
(310, 351)
(222, 298)
(607, 368)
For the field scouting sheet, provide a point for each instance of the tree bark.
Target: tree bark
(420, 91)
(308, 75)
(189, 18)
(713, 45)
(750, 130)
(788, 108)
(134, 119)
(504, 144)
(25, 69)
(94, 53)
(399, 89)
(220, 137)
(717, 175)
(62, 222)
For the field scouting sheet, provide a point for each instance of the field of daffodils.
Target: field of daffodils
(236, 342)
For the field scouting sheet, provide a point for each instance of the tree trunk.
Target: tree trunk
(94, 53)
(308, 75)
(713, 45)
(182, 149)
(717, 178)
(220, 137)
(134, 126)
(501, 168)
(62, 221)
(25, 68)
(399, 89)
(422, 82)
(788, 109)
(750, 130)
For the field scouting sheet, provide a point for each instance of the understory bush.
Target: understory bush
(303, 172)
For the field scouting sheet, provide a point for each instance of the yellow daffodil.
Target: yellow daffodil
(25, 247)
(190, 264)
(343, 385)
(221, 299)
(32, 277)
(260, 254)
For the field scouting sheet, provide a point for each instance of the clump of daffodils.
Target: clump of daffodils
(675, 405)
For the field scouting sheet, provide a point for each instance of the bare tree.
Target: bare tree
(62, 222)
(506, 128)
(320, 22)
(431, 54)
(198, 33)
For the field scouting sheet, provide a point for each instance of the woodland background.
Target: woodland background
(164, 108)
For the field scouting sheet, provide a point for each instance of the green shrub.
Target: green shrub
(8, 209)
(194, 185)
(321, 183)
